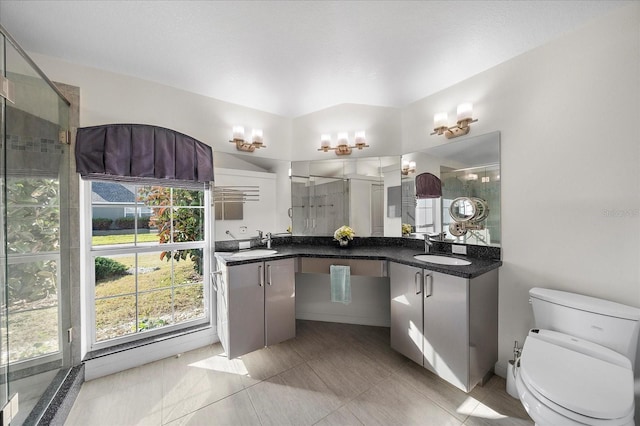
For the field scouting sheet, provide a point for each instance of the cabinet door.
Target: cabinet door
(446, 327)
(245, 286)
(280, 301)
(406, 310)
(222, 313)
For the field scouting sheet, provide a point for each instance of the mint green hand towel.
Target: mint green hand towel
(340, 284)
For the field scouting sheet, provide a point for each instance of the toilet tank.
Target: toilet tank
(606, 323)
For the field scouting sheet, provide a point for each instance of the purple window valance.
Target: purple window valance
(139, 152)
(428, 186)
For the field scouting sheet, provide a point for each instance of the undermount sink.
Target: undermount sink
(441, 260)
(254, 253)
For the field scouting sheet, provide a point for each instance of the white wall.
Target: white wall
(570, 155)
(259, 214)
(106, 97)
(382, 126)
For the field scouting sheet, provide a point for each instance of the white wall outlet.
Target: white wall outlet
(243, 229)
(457, 249)
(244, 245)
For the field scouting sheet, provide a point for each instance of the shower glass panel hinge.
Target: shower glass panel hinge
(70, 335)
(64, 137)
(9, 411)
(7, 89)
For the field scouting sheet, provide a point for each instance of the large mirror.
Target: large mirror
(468, 212)
(250, 193)
(363, 193)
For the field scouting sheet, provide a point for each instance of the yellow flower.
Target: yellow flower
(344, 233)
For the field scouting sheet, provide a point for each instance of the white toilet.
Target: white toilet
(576, 368)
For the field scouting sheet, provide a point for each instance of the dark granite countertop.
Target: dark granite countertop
(402, 255)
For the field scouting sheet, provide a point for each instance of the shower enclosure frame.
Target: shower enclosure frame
(45, 101)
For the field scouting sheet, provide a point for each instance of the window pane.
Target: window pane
(154, 309)
(185, 197)
(115, 275)
(33, 215)
(154, 270)
(32, 229)
(189, 269)
(33, 309)
(111, 207)
(188, 225)
(115, 317)
(189, 303)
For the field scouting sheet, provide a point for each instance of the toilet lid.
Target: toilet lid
(577, 382)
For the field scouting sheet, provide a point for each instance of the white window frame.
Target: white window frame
(89, 253)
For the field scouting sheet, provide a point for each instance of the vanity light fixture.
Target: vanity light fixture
(408, 167)
(242, 144)
(465, 118)
(343, 147)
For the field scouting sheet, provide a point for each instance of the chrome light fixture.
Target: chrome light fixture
(242, 144)
(465, 118)
(343, 147)
(408, 167)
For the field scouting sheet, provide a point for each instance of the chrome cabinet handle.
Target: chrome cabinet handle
(269, 274)
(214, 280)
(260, 276)
(416, 282)
(428, 289)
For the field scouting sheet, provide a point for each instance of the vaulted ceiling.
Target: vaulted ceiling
(295, 57)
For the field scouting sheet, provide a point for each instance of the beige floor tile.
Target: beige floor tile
(268, 362)
(302, 381)
(499, 408)
(150, 374)
(197, 379)
(235, 410)
(392, 402)
(139, 404)
(295, 397)
(340, 417)
(452, 399)
(348, 372)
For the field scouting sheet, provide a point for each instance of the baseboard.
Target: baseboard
(345, 319)
(140, 355)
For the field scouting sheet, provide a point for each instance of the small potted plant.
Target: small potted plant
(343, 235)
(406, 229)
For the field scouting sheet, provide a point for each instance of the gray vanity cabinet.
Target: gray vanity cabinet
(255, 305)
(406, 310)
(445, 323)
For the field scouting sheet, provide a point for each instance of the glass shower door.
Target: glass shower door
(4, 352)
(36, 243)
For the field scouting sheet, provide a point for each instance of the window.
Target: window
(33, 266)
(149, 255)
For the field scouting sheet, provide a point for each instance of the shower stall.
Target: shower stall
(35, 299)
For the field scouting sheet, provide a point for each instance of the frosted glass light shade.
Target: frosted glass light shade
(256, 135)
(325, 141)
(440, 120)
(238, 132)
(343, 138)
(465, 111)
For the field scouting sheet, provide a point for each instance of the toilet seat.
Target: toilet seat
(594, 389)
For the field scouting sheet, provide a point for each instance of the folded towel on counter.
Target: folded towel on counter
(340, 284)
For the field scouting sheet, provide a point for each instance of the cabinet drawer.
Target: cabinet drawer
(366, 267)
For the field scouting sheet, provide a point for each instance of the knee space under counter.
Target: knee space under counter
(369, 292)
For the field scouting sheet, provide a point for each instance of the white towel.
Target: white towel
(340, 284)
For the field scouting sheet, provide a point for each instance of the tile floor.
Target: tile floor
(330, 374)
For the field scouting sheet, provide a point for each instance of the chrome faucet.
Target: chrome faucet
(268, 240)
(427, 243)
